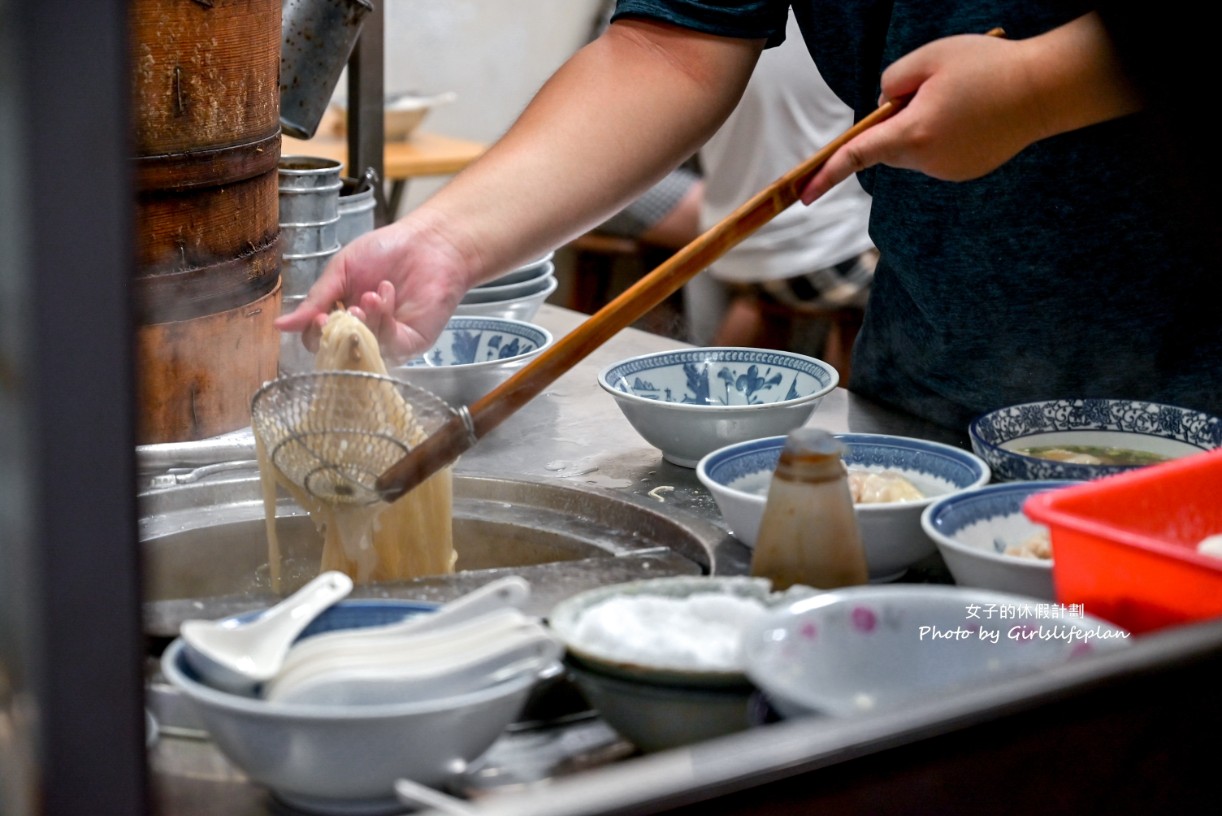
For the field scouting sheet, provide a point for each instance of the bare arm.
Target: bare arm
(613, 120)
(623, 112)
(974, 102)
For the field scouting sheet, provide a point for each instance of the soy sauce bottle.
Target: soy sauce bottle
(809, 532)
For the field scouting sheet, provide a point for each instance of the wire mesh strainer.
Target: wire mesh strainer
(332, 433)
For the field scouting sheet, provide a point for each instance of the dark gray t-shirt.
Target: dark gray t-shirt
(1075, 270)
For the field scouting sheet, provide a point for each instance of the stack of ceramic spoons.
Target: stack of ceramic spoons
(369, 667)
(478, 640)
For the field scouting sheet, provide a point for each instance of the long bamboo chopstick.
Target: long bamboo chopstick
(449, 441)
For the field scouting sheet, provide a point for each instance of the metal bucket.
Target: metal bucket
(318, 37)
(309, 189)
(303, 239)
(299, 272)
(295, 358)
(356, 208)
(309, 219)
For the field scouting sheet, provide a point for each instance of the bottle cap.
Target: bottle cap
(807, 441)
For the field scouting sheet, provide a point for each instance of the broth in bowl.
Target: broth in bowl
(1093, 455)
(1088, 438)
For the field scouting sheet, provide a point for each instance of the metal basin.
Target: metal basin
(205, 548)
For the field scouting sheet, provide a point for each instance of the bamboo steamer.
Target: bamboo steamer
(195, 378)
(206, 133)
(205, 74)
(207, 249)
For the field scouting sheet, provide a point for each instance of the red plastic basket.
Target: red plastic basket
(1124, 547)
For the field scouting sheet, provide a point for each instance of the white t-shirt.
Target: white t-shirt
(786, 114)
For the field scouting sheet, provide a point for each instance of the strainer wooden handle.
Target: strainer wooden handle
(447, 443)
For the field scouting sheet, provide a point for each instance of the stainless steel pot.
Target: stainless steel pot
(205, 550)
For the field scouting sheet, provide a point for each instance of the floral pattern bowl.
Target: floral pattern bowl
(473, 355)
(738, 476)
(690, 402)
(1088, 425)
(871, 649)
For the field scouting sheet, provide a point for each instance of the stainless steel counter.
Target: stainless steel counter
(1038, 727)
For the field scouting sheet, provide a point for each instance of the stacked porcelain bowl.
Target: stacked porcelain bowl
(517, 294)
(371, 692)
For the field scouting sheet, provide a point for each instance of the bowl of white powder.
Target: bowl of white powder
(660, 659)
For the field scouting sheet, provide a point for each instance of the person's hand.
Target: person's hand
(970, 103)
(963, 115)
(403, 282)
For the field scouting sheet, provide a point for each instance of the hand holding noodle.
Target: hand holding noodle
(409, 538)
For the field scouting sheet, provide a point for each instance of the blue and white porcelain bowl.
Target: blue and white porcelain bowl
(868, 650)
(690, 402)
(1087, 425)
(738, 476)
(974, 529)
(346, 758)
(473, 355)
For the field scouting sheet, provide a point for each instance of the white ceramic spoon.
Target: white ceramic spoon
(510, 592)
(236, 656)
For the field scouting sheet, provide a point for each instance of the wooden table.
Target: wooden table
(424, 154)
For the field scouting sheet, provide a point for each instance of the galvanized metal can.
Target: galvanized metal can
(318, 38)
